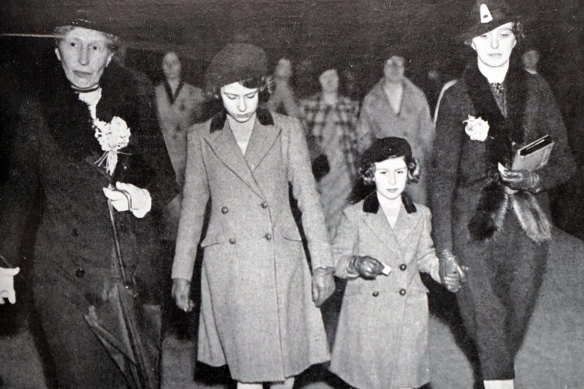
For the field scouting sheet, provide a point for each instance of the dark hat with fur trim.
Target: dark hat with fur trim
(487, 15)
(236, 62)
(385, 148)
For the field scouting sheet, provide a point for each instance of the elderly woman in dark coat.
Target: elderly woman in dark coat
(257, 312)
(495, 220)
(90, 137)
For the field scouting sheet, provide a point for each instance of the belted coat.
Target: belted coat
(257, 314)
(382, 337)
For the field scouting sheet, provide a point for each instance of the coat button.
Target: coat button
(224, 210)
(402, 292)
(375, 294)
(80, 273)
(75, 233)
(268, 236)
(232, 240)
(403, 267)
(264, 205)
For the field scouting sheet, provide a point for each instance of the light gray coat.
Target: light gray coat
(382, 337)
(257, 313)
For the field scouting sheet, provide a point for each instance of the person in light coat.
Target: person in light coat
(259, 309)
(382, 245)
(397, 107)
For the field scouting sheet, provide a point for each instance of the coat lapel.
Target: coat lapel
(406, 223)
(381, 228)
(261, 141)
(225, 147)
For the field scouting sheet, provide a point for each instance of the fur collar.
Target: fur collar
(506, 134)
(68, 118)
(262, 114)
(371, 203)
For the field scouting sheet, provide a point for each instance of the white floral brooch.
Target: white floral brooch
(476, 128)
(112, 137)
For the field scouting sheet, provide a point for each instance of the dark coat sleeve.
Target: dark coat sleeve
(447, 152)
(561, 165)
(19, 193)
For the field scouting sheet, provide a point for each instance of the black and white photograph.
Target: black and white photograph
(291, 194)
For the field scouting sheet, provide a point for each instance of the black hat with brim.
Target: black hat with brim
(486, 15)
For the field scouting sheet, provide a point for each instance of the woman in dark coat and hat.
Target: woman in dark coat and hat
(492, 218)
(259, 312)
(88, 140)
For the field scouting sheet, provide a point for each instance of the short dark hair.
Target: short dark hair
(261, 83)
(367, 171)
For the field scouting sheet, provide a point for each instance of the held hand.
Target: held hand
(366, 266)
(520, 179)
(128, 197)
(452, 274)
(181, 291)
(323, 284)
(7, 284)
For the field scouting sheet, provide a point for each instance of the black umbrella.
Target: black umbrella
(129, 331)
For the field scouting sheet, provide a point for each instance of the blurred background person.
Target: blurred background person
(530, 59)
(283, 100)
(329, 120)
(397, 107)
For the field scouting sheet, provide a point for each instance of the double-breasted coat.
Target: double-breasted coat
(382, 337)
(54, 154)
(257, 314)
(413, 122)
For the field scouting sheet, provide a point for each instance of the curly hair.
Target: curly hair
(367, 171)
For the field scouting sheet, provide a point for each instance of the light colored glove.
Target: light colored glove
(181, 293)
(128, 197)
(521, 180)
(323, 284)
(452, 274)
(365, 266)
(7, 284)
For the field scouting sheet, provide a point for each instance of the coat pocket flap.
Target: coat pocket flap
(212, 239)
(291, 233)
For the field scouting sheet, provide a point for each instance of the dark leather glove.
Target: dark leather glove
(320, 167)
(452, 274)
(365, 266)
(521, 180)
(323, 284)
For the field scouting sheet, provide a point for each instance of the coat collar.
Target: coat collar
(371, 203)
(407, 99)
(223, 143)
(377, 222)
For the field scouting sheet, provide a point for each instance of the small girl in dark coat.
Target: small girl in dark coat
(382, 245)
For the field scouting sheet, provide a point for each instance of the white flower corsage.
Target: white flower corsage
(476, 128)
(112, 137)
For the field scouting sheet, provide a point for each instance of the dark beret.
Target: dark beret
(236, 62)
(385, 148)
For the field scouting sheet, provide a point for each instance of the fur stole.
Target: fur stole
(70, 125)
(506, 134)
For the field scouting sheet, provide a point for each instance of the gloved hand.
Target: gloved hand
(126, 197)
(323, 284)
(365, 266)
(452, 274)
(181, 293)
(7, 284)
(520, 180)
